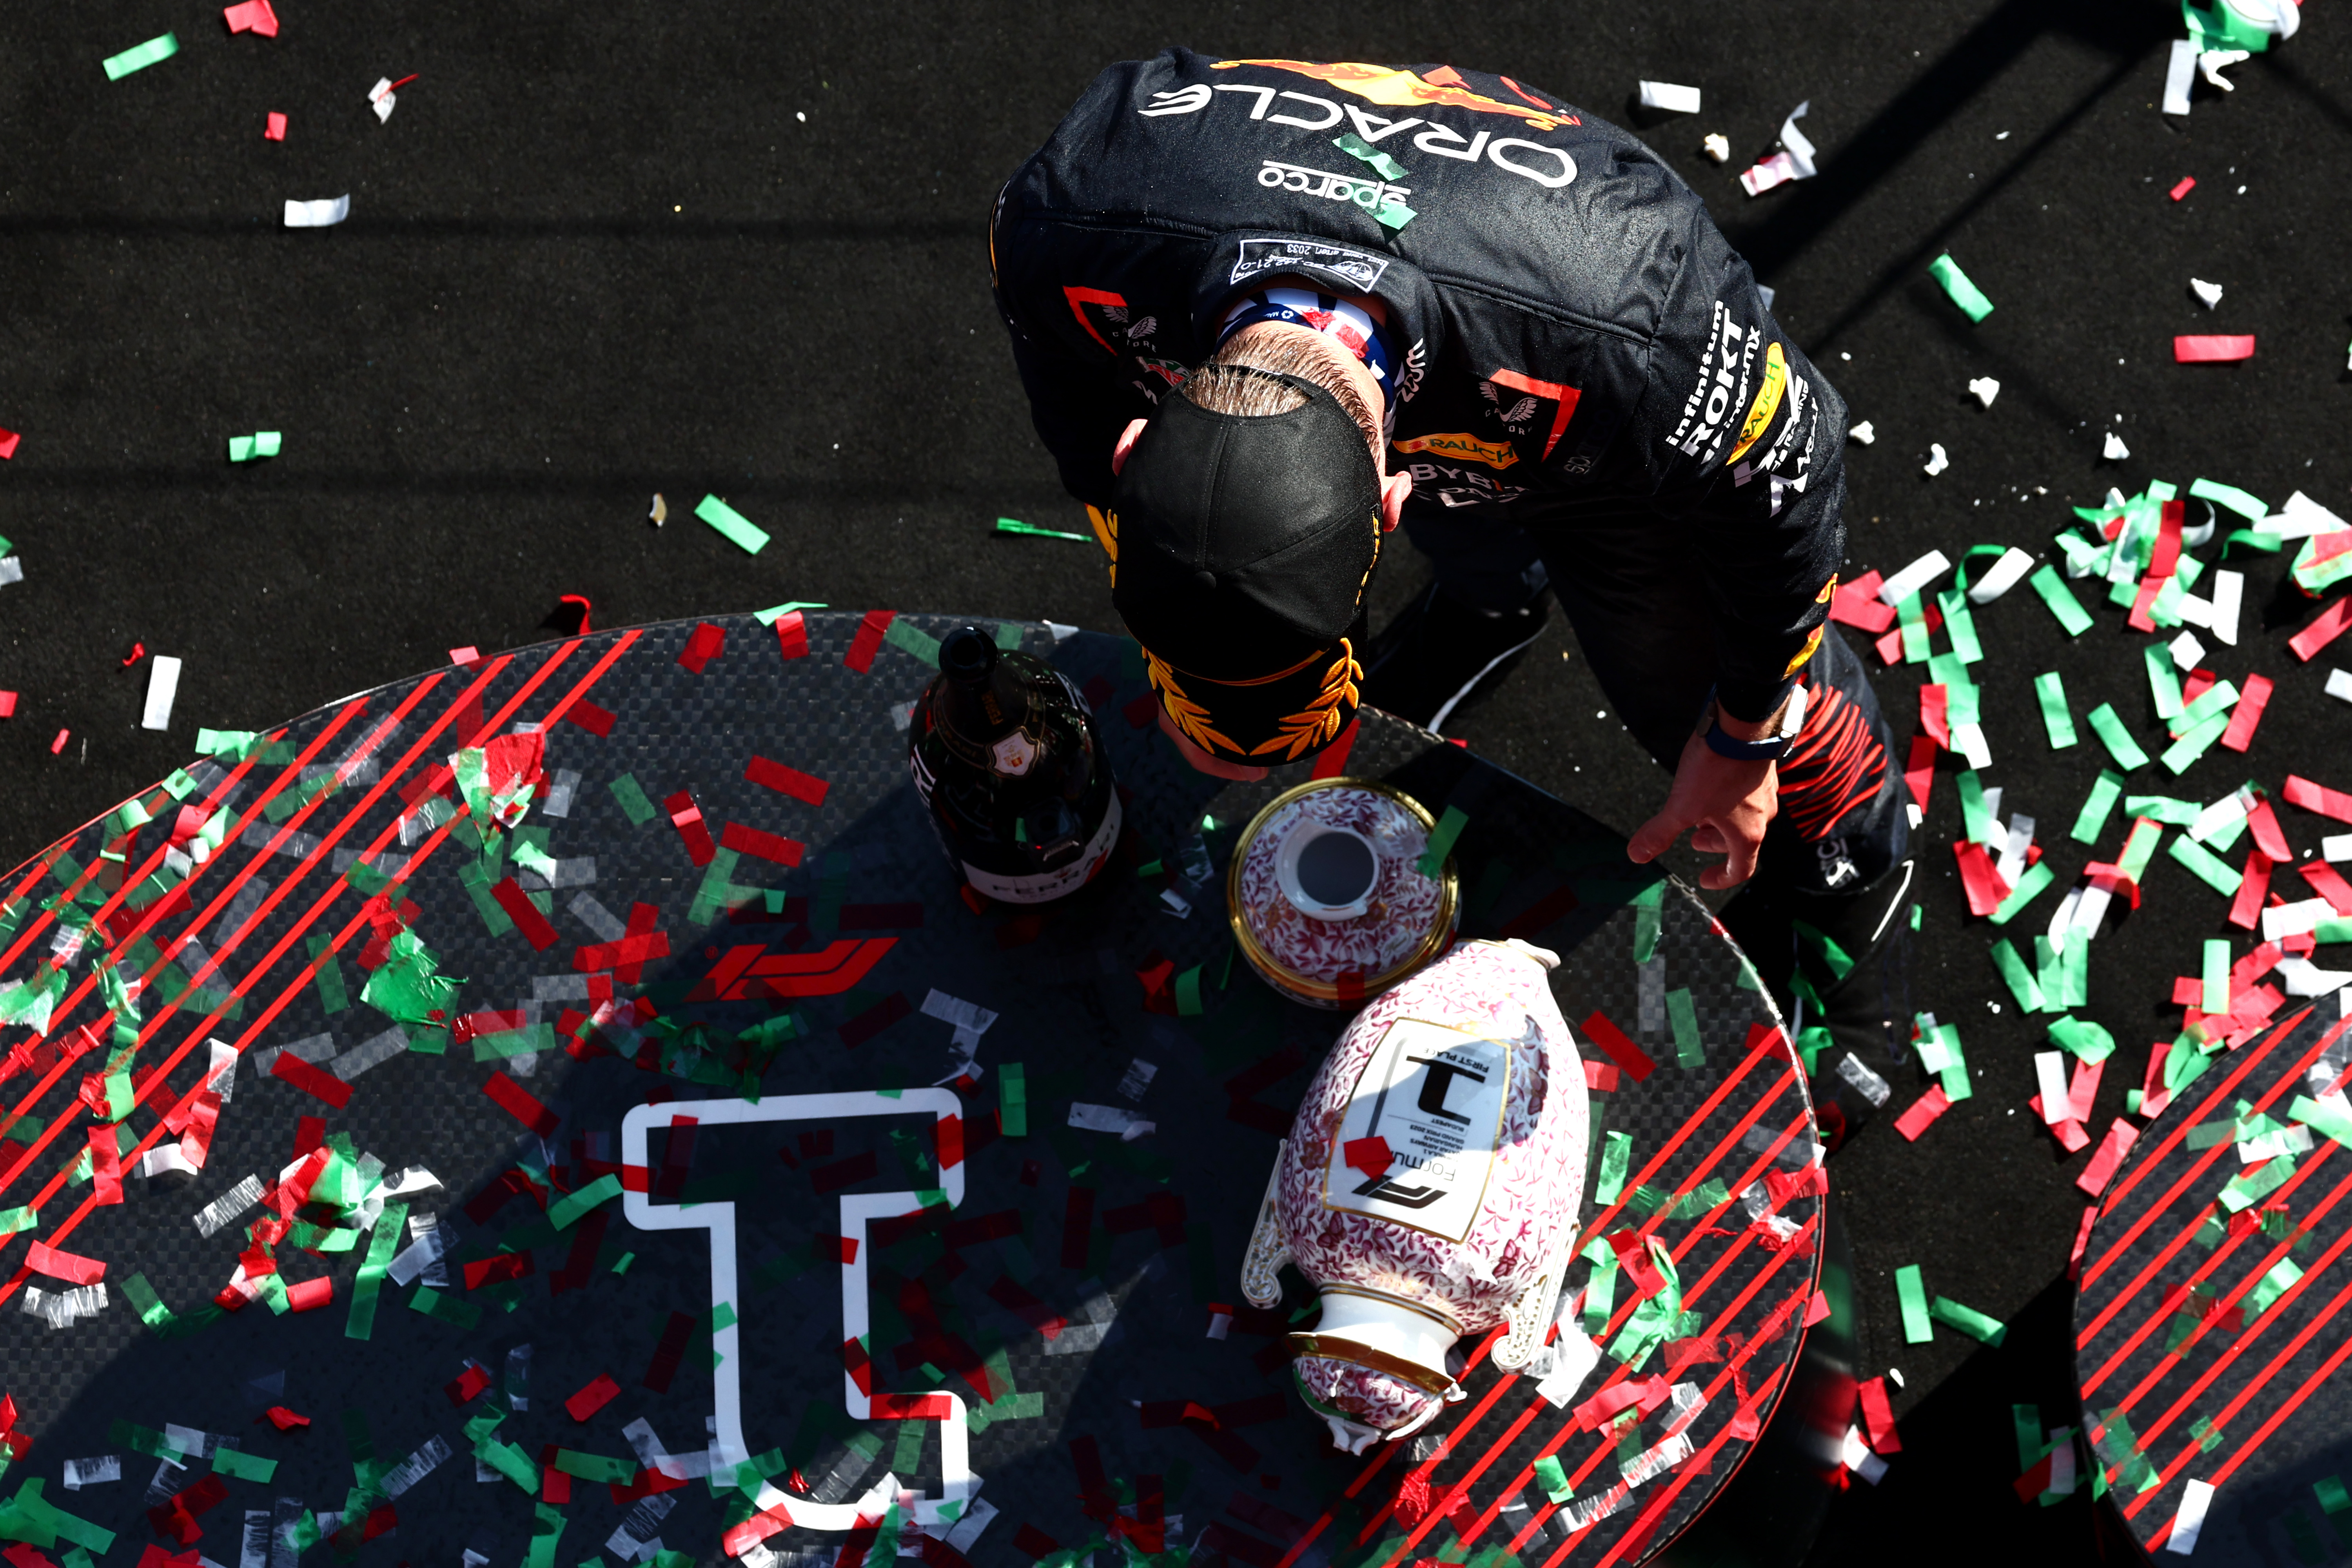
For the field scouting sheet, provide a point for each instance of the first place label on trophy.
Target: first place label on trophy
(1435, 1095)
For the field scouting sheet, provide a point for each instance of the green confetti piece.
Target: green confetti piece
(631, 796)
(155, 51)
(2335, 1124)
(2211, 868)
(738, 528)
(2162, 808)
(142, 1441)
(1965, 294)
(1975, 822)
(1188, 993)
(2217, 975)
(24, 1217)
(1960, 625)
(1012, 1099)
(2275, 1284)
(1911, 1296)
(2109, 727)
(268, 443)
(2061, 599)
(2020, 980)
(1616, 1155)
(1689, 1051)
(2089, 1042)
(595, 1466)
(570, 1209)
(243, 1466)
(2163, 681)
(1394, 214)
(372, 1269)
(1432, 863)
(1600, 1290)
(1356, 146)
(1014, 525)
(904, 633)
(1553, 1479)
(2139, 849)
(1647, 906)
(2332, 1498)
(1968, 1321)
(2056, 721)
(2030, 884)
(39, 1512)
(2231, 496)
(2195, 743)
(774, 613)
(510, 1462)
(464, 1314)
(237, 744)
(2248, 1188)
(1914, 621)
(2212, 704)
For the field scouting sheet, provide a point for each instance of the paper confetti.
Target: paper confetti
(323, 212)
(1964, 293)
(140, 56)
(733, 524)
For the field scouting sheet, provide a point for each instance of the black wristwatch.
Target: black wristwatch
(1768, 749)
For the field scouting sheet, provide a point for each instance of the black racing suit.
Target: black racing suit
(1590, 376)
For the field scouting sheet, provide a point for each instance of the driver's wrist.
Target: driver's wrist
(1750, 729)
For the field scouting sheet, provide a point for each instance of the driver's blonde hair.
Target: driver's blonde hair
(1224, 386)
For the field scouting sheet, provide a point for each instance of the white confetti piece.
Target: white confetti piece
(2197, 1496)
(324, 213)
(1108, 1119)
(2006, 574)
(162, 687)
(2113, 449)
(1863, 433)
(1937, 461)
(2179, 70)
(372, 1052)
(2208, 292)
(1866, 1083)
(1915, 577)
(2050, 1074)
(226, 1208)
(1985, 389)
(80, 1473)
(1717, 147)
(1667, 95)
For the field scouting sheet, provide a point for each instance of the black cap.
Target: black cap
(1244, 547)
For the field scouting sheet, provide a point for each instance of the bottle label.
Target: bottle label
(1435, 1094)
(1043, 886)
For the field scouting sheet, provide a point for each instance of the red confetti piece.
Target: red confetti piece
(2264, 822)
(512, 1096)
(8, 439)
(792, 635)
(600, 1392)
(1817, 1310)
(2112, 1149)
(285, 1420)
(274, 129)
(597, 721)
(72, 1268)
(59, 743)
(1332, 760)
(771, 774)
(2252, 700)
(2216, 348)
(1919, 773)
(2318, 798)
(465, 656)
(2324, 628)
(137, 652)
(7, 705)
(2329, 884)
(1934, 704)
(311, 1294)
(2082, 1243)
(1857, 605)
(524, 913)
(1922, 1114)
(319, 1085)
(252, 17)
(1603, 1078)
(1983, 884)
(2187, 183)
(1644, 1393)
(497, 1269)
(2254, 887)
(1619, 1047)
(586, 609)
(669, 1353)
(1878, 1417)
(2143, 603)
(105, 1166)
(621, 955)
(868, 640)
(687, 817)
(913, 1407)
(1370, 1155)
(948, 1134)
(702, 644)
(773, 846)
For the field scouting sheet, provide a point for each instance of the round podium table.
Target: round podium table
(2209, 1332)
(675, 1162)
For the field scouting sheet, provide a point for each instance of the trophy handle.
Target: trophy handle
(1270, 1250)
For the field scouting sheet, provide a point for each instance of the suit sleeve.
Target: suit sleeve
(1746, 439)
(1077, 400)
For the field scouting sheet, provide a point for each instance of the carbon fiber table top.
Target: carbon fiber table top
(502, 1353)
(2209, 1334)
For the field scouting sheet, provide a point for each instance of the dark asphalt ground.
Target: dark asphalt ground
(598, 253)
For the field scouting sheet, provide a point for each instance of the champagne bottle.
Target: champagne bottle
(1005, 754)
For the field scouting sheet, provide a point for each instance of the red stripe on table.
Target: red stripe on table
(2211, 1267)
(1538, 916)
(1618, 1318)
(868, 640)
(516, 1102)
(774, 846)
(524, 913)
(2293, 1402)
(301, 980)
(2150, 1159)
(2257, 1382)
(1753, 1343)
(774, 776)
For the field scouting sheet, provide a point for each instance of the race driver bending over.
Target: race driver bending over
(1268, 311)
